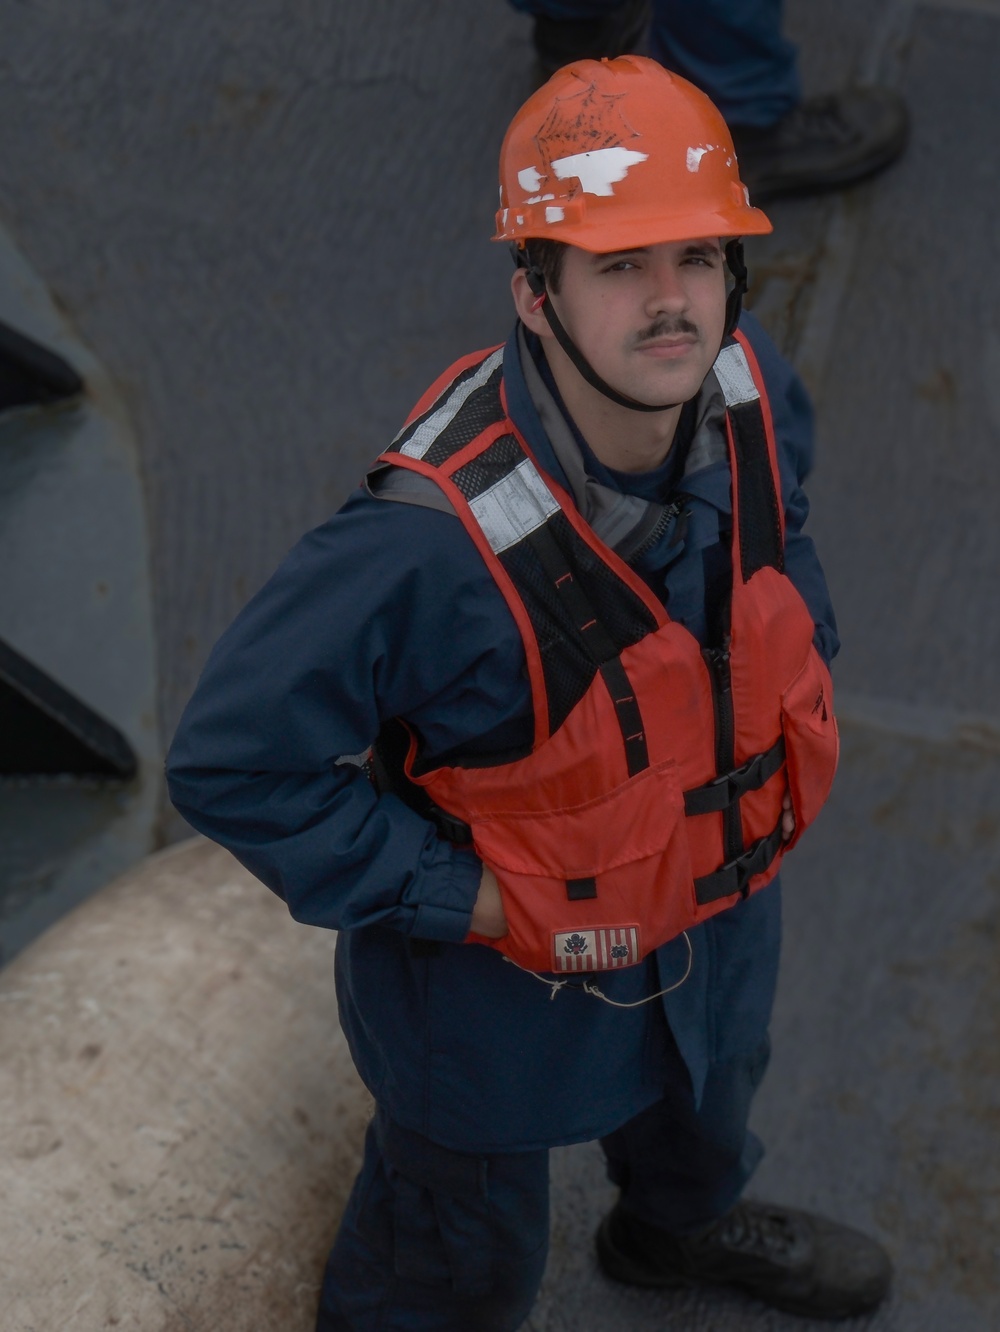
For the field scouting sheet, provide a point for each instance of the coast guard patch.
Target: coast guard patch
(596, 949)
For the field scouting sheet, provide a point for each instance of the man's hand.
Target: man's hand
(488, 918)
(787, 817)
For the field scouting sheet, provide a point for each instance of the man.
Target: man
(736, 52)
(575, 611)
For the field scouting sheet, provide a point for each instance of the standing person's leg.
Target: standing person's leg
(681, 1168)
(731, 49)
(735, 51)
(437, 1241)
(567, 30)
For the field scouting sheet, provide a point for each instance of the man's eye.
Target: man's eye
(620, 266)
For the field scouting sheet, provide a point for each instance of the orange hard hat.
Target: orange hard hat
(614, 154)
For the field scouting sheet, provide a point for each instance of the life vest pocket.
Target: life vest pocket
(593, 886)
(812, 742)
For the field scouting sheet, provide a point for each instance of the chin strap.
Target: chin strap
(734, 301)
(536, 285)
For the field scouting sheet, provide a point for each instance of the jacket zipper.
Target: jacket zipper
(725, 740)
(669, 513)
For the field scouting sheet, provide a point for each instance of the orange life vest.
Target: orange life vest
(651, 798)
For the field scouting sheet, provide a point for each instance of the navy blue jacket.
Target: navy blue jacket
(387, 610)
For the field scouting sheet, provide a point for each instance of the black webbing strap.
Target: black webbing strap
(723, 791)
(387, 769)
(629, 716)
(761, 544)
(735, 875)
(597, 643)
(580, 890)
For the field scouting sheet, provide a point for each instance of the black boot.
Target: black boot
(823, 144)
(791, 1260)
(558, 42)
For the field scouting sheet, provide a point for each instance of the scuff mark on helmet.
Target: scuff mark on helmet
(598, 171)
(696, 153)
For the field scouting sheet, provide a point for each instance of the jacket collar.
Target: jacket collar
(623, 521)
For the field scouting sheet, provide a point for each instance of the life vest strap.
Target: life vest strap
(734, 877)
(581, 890)
(723, 791)
(449, 827)
(386, 768)
(597, 643)
(596, 640)
(758, 509)
(630, 721)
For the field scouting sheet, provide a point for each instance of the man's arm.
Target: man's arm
(358, 624)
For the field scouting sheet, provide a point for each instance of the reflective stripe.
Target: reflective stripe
(355, 760)
(425, 435)
(518, 504)
(734, 376)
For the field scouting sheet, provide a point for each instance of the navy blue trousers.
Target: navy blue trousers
(439, 1241)
(733, 50)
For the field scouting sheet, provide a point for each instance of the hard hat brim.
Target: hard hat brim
(598, 235)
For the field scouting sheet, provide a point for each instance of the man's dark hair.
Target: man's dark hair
(549, 256)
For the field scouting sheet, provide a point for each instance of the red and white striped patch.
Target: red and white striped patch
(597, 949)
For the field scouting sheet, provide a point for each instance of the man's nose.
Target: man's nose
(667, 293)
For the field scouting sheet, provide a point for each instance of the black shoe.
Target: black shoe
(791, 1260)
(558, 42)
(823, 144)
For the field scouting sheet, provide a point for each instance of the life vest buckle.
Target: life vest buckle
(735, 875)
(727, 788)
(449, 827)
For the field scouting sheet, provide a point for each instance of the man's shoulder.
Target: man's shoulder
(772, 363)
(791, 406)
(415, 531)
(403, 486)
(401, 516)
(463, 375)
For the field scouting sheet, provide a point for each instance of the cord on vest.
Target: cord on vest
(590, 988)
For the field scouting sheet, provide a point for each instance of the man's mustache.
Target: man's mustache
(667, 326)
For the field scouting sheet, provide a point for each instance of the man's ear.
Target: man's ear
(528, 305)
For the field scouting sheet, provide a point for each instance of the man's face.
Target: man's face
(650, 320)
